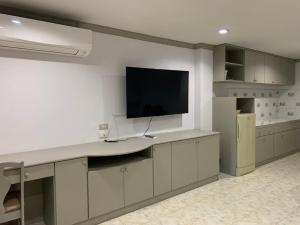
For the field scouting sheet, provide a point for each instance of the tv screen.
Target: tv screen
(156, 92)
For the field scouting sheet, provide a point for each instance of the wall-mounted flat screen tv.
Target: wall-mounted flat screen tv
(156, 92)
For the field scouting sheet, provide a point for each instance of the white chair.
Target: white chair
(11, 201)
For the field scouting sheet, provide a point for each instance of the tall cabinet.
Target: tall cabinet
(235, 119)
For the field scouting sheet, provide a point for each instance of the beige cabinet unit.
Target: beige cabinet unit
(245, 143)
(208, 157)
(287, 71)
(297, 139)
(106, 192)
(272, 70)
(184, 163)
(71, 191)
(236, 64)
(138, 181)
(254, 67)
(264, 148)
(162, 156)
(285, 142)
(237, 142)
(228, 63)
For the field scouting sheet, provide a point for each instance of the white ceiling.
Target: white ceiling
(266, 25)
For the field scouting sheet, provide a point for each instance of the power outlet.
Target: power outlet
(103, 130)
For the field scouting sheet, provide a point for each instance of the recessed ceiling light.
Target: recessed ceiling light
(223, 31)
(16, 21)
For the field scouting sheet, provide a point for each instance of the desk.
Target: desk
(61, 183)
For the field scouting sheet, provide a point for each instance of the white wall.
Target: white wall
(203, 89)
(48, 101)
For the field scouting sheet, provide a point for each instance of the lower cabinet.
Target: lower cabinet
(264, 148)
(71, 191)
(184, 163)
(285, 142)
(106, 192)
(115, 187)
(138, 181)
(298, 139)
(162, 167)
(208, 157)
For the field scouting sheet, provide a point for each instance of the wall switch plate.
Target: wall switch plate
(103, 130)
(103, 126)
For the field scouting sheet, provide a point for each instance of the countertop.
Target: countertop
(131, 145)
(276, 121)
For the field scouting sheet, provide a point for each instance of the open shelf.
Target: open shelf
(245, 105)
(97, 163)
(230, 64)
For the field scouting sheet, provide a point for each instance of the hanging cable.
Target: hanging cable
(148, 126)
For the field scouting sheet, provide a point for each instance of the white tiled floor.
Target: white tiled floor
(268, 196)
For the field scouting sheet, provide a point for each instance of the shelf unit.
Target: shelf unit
(236, 64)
(228, 63)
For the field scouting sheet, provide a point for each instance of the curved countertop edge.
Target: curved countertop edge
(100, 149)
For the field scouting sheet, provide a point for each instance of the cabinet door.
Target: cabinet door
(162, 168)
(250, 64)
(297, 139)
(138, 180)
(285, 142)
(287, 71)
(106, 191)
(264, 148)
(272, 70)
(208, 157)
(280, 147)
(71, 191)
(254, 67)
(184, 163)
(245, 140)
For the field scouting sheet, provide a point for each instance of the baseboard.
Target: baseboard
(128, 209)
(276, 158)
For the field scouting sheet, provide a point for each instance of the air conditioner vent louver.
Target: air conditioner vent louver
(44, 37)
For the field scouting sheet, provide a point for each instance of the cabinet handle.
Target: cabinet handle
(238, 131)
(84, 162)
(254, 80)
(122, 170)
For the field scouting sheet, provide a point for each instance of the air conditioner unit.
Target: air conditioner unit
(32, 35)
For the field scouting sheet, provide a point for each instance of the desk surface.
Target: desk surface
(132, 145)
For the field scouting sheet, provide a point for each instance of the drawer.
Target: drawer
(31, 173)
(264, 131)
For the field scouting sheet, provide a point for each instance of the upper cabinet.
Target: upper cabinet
(288, 71)
(272, 70)
(228, 63)
(254, 67)
(235, 64)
